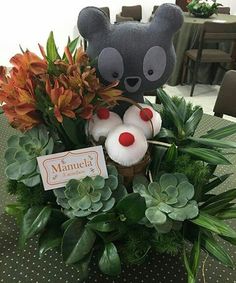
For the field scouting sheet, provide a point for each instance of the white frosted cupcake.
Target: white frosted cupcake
(126, 145)
(102, 122)
(144, 119)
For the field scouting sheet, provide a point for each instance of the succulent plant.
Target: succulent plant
(22, 153)
(90, 196)
(169, 201)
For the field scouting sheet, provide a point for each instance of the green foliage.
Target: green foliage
(131, 208)
(137, 245)
(29, 197)
(213, 224)
(203, 9)
(169, 201)
(34, 221)
(170, 243)
(21, 155)
(197, 172)
(180, 121)
(109, 262)
(89, 197)
(77, 242)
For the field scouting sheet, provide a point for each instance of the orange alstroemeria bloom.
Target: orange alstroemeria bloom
(17, 95)
(30, 62)
(65, 101)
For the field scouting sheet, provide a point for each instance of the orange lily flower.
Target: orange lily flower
(65, 101)
(29, 61)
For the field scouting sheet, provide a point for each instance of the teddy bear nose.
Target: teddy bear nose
(132, 81)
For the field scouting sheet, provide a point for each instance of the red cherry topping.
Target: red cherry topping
(146, 114)
(103, 113)
(126, 139)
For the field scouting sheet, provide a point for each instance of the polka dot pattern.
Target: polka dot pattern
(24, 266)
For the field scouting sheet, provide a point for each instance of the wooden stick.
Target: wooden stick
(160, 143)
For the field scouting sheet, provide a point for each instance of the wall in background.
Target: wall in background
(28, 22)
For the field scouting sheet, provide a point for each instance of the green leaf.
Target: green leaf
(34, 221)
(109, 263)
(172, 110)
(77, 242)
(188, 269)
(214, 142)
(52, 53)
(165, 133)
(28, 167)
(216, 250)
(217, 206)
(71, 130)
(171, 153)
(213, 224)
(215, 183)
(221, 133)
(12, 171)
(227, 196)
(83, 265)
(193, 121)
(208, 155)
(72, 46)
(155, 216)
(49, 239)
(16, 210)
(103, 222)
(132, 207)
(157, 154)
(229, 213)
(195, 255)
(182, 109)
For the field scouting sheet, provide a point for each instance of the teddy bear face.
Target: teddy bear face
(144, 67)
(140, 56)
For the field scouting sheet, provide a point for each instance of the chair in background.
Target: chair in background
(154, 9)
(106, 10)
(153, 12)
(224, 10)
(182, 4)
(211, 32)
(226, 99)
(130, 13)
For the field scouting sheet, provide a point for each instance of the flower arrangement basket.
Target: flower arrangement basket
(167, 203)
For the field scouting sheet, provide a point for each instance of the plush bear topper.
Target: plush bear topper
(141, 56)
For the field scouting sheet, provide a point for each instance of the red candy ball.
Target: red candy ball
(103, 113)
(146, 114)
(126, 139)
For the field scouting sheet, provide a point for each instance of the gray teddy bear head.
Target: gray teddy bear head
(141, 56)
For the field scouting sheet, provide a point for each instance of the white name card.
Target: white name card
(57, 169)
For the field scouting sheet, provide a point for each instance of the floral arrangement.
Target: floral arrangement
(58, 103)
(203, 8)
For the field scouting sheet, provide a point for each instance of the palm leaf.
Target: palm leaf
(216, 250)
(214, 142)
(193, 121)
(221, 133)
(215, 183)
(208, 155)
(213, 224)
(229, 213)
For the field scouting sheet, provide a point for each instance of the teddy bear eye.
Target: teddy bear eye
(154, 63)
(110, 64)
(115, 75)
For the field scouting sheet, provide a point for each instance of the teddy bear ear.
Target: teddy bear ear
(168, 17)
(92, 20)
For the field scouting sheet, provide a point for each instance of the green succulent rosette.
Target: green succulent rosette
(90, 196)
(21, 155)
(169, 201)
